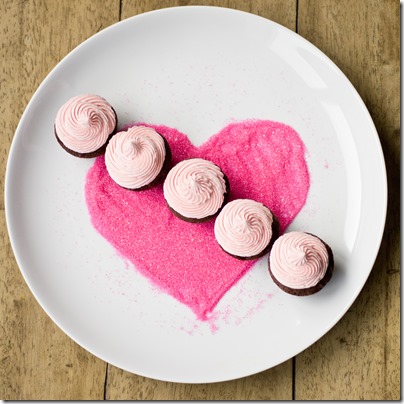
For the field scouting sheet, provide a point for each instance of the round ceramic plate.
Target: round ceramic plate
(195, 69)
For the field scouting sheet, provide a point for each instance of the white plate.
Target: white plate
(195, 69)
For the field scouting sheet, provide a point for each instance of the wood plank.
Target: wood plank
(392, 376)
(359, 358)
(38, 361)
(282, 12)
(274, 384)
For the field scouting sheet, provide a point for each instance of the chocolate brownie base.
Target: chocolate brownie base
(312, 289)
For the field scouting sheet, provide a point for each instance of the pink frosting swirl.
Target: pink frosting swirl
(298, 260)
(244, 227)
(84, 123)
(135, 158)
(195, 188)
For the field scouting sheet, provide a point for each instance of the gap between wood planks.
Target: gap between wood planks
(105, 393)
(294, 358)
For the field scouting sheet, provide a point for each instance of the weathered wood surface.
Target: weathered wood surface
(358, 359)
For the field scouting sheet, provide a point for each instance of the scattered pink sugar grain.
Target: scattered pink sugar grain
(264, 160)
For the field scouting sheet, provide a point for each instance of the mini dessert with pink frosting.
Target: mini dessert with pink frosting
(246, 229)
(84, 124)
(138, 158)
(301, 263)
(195, 190)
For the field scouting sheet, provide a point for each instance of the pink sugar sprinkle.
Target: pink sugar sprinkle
(264, 161)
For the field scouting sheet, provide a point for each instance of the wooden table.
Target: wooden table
(358, 359)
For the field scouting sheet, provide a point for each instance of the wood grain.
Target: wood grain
(273, 384)
(281, 11)
(358, 359)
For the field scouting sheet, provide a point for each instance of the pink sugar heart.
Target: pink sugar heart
(264, 161)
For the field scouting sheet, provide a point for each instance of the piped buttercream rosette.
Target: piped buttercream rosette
(246, 228)
(195, 189)
(300, 263)
(84, 124)
(135, 158)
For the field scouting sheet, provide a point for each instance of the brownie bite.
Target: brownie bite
(196, 190)
(300, 263)
(138, 158)
(246, 229)
(84, 125)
